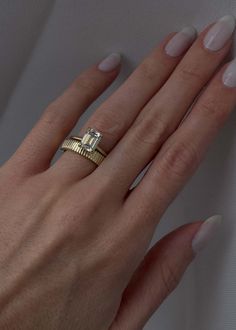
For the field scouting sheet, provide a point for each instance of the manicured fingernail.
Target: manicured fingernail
(110, 62)
(229, 76)
(205, 232)
(181, 41)
(220, 33)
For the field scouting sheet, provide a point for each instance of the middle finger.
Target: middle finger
(162, 115)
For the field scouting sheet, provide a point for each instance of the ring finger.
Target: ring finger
(115, 115)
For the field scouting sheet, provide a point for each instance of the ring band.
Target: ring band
(97, 148)
(86, 146)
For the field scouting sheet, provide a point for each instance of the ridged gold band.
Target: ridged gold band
(97, 148)
(74, 144)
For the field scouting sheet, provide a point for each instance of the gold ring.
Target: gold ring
(86, 146)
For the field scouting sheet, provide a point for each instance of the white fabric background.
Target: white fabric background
(44, 44)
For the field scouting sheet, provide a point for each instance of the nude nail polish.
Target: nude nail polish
(229, 76)
(181, 41)
(110, 62)
(220, 33)
(205, 233)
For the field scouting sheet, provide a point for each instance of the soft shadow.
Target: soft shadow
(23, 36)
(209, 193)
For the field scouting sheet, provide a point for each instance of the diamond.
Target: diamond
(91, 139)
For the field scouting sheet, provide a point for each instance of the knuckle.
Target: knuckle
(180, 159)
(190, 74)
(102, 190)
(53, 116)
(50, 113)
(169, 276)
(86, 85)
(214, 109)
(76, 216)
(72, 224)
(147, 70)
(150, 131)
(108, 123)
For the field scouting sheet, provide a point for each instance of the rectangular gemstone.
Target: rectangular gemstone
(91, 139)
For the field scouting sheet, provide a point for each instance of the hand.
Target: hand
(74, 236)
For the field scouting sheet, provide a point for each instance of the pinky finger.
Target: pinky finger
(160, 272)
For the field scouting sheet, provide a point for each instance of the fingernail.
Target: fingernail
(181, 41)
(220, 33)
(110, 62)
(205, 233)
(229, 76)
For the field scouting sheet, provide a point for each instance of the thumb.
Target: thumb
(160, 272)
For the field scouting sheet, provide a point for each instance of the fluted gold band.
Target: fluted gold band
(97, 148)
(74, 144)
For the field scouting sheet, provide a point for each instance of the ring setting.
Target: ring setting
(86, 146)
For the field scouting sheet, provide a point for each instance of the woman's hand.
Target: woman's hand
(73, 237)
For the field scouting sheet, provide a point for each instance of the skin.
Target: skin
(74, 237)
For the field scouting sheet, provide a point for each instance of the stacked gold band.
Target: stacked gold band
(74, 145)
(86, 146)
(97, 148)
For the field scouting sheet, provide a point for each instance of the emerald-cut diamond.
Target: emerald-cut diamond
(91, 140)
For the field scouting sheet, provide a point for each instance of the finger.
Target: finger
(117, 113)
(162, 115)
(36, 151)
(183, 151)
(160, 272)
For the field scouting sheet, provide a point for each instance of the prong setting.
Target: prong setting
(91, 140)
